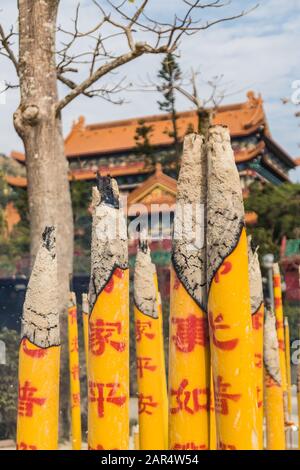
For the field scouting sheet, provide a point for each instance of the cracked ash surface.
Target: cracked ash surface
(271, 347)
(40, 321)
(225, 209)
(144, 287)
(189, 259)
(109, 248)
(255, 280)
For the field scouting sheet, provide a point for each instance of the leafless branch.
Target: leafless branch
(5, 47)
(115, 20)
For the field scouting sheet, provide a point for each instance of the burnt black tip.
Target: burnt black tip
(48, 240)
(105, 188)
(143, 245)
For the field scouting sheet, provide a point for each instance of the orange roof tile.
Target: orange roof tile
(17, 181)
(117, 136)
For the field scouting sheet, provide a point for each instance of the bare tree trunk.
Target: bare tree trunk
(39, 126)
(40, 129)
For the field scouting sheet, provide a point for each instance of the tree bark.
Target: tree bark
(39, 126)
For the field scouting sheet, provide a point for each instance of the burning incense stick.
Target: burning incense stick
(37, 423)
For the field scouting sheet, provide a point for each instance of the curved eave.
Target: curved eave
(278, 150)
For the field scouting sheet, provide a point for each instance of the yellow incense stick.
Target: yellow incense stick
(273, 397)
(37, 422)
(212, 420)
(108, 359)
(74, 373)
(231, 335)
(280, 334)
(163, 363)
(288, 364)
(189, 362)
(150, 368)
(85, 321)
(257, 312)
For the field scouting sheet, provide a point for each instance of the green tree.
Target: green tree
(169, 76)
(144, 148)
(9, 384)
(277, 208)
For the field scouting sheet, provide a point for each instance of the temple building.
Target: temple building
(111, 148)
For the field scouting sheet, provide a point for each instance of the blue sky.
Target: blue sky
(258, 52)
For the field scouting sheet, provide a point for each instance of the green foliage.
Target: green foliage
(169, 75)
(278, 213)
(9, 384)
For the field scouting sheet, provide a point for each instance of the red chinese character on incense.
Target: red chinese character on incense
(146, 404)
(75, 372)
(223, 446)
(144, 363)
(75, 400)
(24, 446)
(27, 400)
(190, 446)
(105, 393)
(190, 332)
(257, 320)
(74, 344)
(225, 269)
(190, 401)
(218, 324)
(72, 315)
(258, 360)
(111, 283)
(142, 328)
(222, 396)
(101, 334)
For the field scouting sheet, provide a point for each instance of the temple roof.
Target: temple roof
(118, 136)
(243, 119)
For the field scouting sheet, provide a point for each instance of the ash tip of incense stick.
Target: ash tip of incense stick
(255, 279)
(144, 287)
(276, 269)
(225, 208)
(108, 190)
(48, 239)
(271, 347)
(40, 321)
(109, 249)
(143, 241)
(85, 304)
(286, 321)
(188, 252)
(72, 299)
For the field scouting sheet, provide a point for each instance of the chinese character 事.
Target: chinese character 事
(190, 332)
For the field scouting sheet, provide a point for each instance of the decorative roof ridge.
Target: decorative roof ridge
(158, 117)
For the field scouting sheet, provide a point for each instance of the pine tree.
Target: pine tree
(143, 145)
(169, 75)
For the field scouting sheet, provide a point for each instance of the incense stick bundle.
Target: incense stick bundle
(189, 361)
(273, 386)
(39, 356)
(108, 357)
(231, 336)
(74, 373)
(150, 366)
(257, 312)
